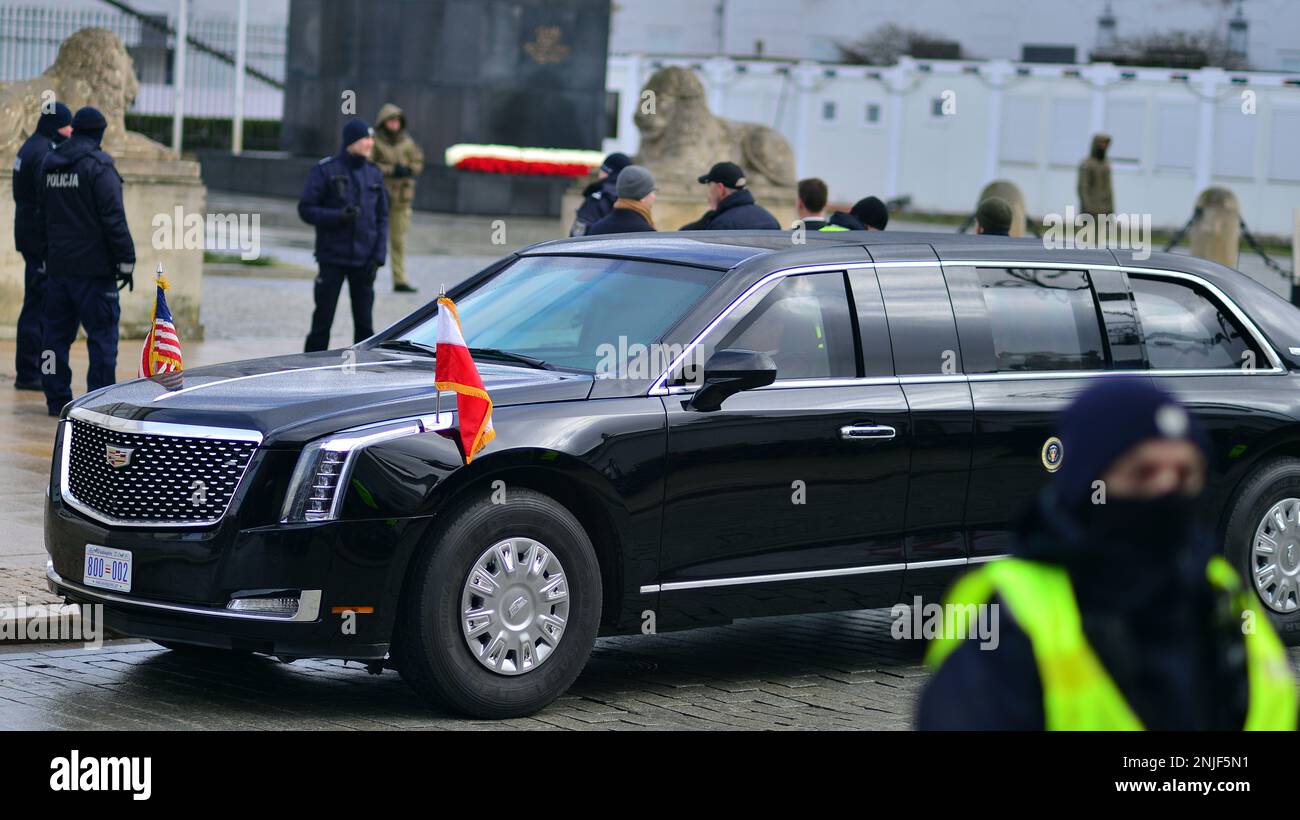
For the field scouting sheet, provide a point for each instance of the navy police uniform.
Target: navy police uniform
(90, 256)
(29, 240)
(345, 199)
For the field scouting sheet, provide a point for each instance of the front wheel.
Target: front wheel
(1263, 541)
(502, 609)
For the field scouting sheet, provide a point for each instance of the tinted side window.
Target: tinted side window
(1185, 329)
(803, 324)
(1042, 319)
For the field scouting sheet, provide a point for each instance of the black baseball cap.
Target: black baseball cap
(728, 173)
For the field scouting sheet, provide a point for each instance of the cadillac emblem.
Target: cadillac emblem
(117, 456)
(1053, 452)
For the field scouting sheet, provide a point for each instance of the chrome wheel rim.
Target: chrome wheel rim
(514, 606)
(1275, 556)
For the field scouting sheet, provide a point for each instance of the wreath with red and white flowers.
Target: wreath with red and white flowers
(512, 159)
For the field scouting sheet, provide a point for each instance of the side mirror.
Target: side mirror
(728, 372)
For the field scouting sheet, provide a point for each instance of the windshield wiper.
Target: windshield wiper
(506, 355)
(408, 346)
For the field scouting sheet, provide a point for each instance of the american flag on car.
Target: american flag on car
(162, 347)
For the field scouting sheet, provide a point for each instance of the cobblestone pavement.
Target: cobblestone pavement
(832, 671)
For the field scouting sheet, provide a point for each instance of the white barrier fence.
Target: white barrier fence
(939, 130)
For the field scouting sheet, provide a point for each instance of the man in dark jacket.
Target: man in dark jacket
(598, 197)
(1145, 628)
(53, 127)
(89, 256)
(731, 205)
(631, 214)
(345, 199)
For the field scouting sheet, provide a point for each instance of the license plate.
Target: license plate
(107, 568)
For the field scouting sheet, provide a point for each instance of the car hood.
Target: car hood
(295, 398)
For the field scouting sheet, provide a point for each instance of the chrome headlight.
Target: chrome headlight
(321, 476)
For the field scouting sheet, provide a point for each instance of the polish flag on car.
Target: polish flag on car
(454, 370)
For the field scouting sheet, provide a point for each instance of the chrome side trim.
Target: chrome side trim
(776, 576)
(308, 602)
(158, 428)
(668, 586)
(659, 388)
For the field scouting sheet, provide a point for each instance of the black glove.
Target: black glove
(350, 212)
(401, 171)
(125, 275)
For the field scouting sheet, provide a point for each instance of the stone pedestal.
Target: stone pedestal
(1216, 236)
(151, 188)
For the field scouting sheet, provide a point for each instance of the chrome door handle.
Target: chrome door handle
(867, 432)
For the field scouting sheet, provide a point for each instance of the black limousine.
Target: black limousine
(690, 428)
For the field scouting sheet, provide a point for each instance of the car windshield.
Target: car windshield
(570, 312)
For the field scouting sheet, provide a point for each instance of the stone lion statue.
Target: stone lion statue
(681, 137)
(92, 68)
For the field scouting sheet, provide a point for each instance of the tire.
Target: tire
(473, 674)
(1272, 483)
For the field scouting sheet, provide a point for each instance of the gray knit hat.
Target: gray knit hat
(634, 182)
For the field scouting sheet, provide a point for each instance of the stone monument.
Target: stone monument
(681, 139)
(94, 68)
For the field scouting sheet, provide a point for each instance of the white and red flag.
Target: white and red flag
(454, 370)
(162, 347)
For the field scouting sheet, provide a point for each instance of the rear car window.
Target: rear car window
(1185, 329)
(1042, 319)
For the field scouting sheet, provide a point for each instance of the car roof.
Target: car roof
(724, 250)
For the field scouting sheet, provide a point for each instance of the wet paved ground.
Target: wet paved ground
(837, 671)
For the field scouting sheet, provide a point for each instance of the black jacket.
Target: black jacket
(333, 184)
(29, 220)
(1166, 637)
(80, 193)
(737, 212)
(597, 202)
(842, 219)
(620, 220)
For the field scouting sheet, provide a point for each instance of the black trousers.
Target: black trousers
(361, 292)
(27, 359)
(91, 302)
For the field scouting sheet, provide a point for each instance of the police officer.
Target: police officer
(345, 200)
(598, 198)
(53, 127)
(90, 256)
(1115, 610)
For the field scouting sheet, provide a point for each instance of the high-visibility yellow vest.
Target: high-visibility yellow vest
(832, 228)
(1078, 693)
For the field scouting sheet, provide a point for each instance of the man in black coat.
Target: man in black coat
(731, 205)
(598, 197)
(346, 201)
(631, 214)
(90, 256)
(1121, 518)
(53, 127)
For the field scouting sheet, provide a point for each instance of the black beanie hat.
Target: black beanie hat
(88, 122)
(1109, 419)
(51, 121)
(355, 129)
(615, 162)
(871, 212)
